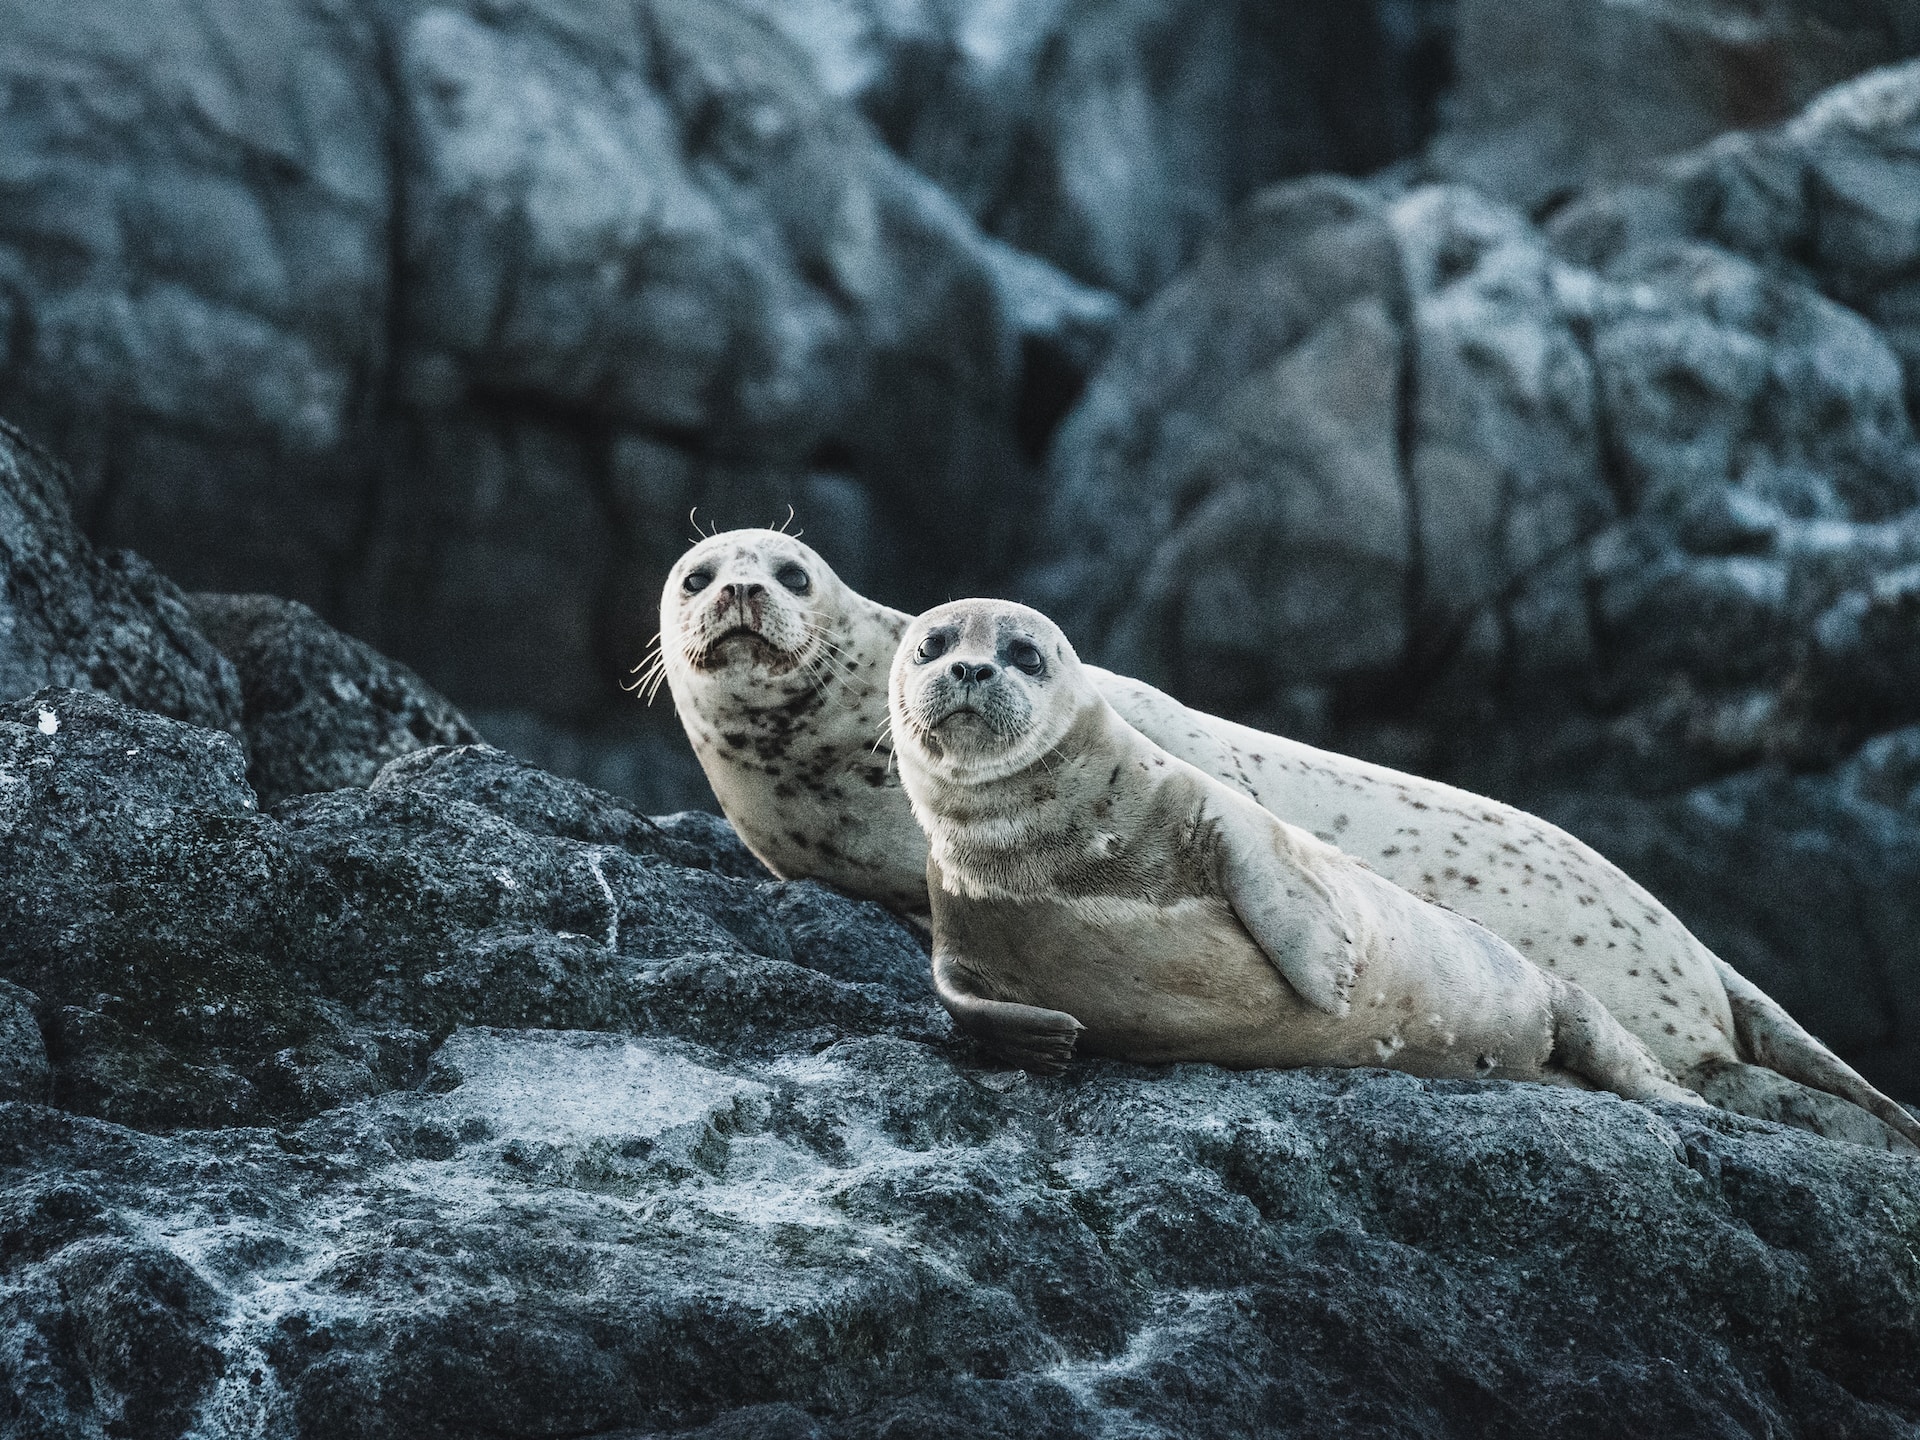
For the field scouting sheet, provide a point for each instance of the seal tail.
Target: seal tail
(1772, 1038)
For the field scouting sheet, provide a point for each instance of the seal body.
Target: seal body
(1081, 877)
(788, 747)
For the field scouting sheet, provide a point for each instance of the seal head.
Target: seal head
(752, 612)
(778, 674)
(985, 689)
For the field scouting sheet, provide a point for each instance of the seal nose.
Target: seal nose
(731, 592)
(970, 674)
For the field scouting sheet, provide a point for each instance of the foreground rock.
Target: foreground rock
(1590, 519)
(519, 1113)
(320, 710)
(105, 621)
(315, 709)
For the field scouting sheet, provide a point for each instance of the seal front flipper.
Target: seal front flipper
(1025, 1035)
(1281, 888)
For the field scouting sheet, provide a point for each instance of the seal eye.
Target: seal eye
(696, 581)
(931, 648)
(794, 578)
(1025, 655)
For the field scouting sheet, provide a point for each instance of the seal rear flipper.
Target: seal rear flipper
(1589, 1042)
(1025, 1035)
(1770, 1037)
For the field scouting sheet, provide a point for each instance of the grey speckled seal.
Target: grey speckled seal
(782, 692)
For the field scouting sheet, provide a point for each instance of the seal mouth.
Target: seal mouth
(964, 711)
(711, 657)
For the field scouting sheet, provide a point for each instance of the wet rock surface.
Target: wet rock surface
(474, 1101)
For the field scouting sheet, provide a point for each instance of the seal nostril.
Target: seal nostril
(755, 590)
(983, 674)
(957, 670)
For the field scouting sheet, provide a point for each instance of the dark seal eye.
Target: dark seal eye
(794, 578)
(1025, 655)
(696, 581)
(931, 648)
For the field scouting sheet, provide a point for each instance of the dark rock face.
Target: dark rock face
(440, 318)
(1617, 510)
(320, 710)
(516, 1112)
(105, 621)
(1109, 136)
(1551, 99)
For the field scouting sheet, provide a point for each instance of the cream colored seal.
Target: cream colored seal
(1087, 887)
(787, 740)
(779, 676)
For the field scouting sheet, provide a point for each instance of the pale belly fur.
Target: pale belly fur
(1185, 982)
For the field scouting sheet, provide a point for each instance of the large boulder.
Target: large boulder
(474, 1101)
(1619, 509)
(320, 710)
(1549, 99)
(440, 317)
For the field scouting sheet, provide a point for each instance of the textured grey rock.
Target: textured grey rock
(320, 710)
(1239, 454)
(103, 621)
(439, 318)
(1622, 508)
(1827, 197)
(24, 1074)
(662, 1147)
(1550, 99)
(1109, 136)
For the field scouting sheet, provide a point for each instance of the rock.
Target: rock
(1550, 101)
(1109, 137)
(24, 1074)
(474, 1100)
(490, 298)
(200, 962)
(1672, 463)
(1248, 412)
(106, 621)
(1824, 197)
(1804, 882)
(321, 710)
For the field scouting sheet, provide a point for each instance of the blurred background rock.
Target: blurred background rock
(1519, 394)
